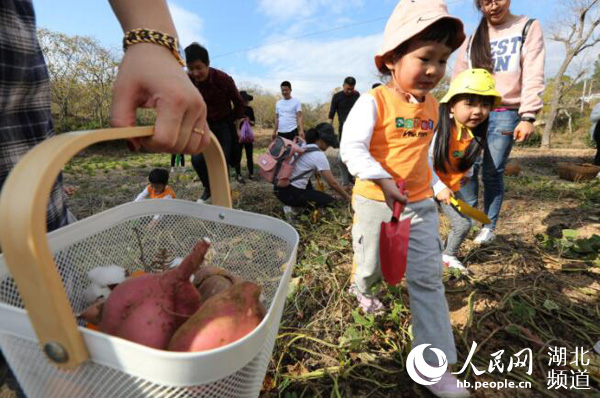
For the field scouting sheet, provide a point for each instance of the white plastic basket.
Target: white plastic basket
(258, 248)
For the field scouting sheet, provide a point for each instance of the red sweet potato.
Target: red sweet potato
(149, 308)
(222, 319)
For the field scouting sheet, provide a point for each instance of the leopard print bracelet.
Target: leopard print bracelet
(153, 36)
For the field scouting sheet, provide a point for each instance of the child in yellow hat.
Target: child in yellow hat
(461, 135)
(386, 139)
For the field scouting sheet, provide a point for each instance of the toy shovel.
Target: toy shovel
(393, 244)
(469, 211)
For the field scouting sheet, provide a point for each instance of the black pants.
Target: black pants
(224, 131)
(174, 159)
(248, 147)
(597, 139)
(290, 135)
(296, 197)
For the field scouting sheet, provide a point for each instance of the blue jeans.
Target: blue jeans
(495, 155)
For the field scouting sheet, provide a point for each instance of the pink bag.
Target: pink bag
(277, 164)
(246, 133)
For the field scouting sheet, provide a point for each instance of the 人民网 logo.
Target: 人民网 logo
(417, 367)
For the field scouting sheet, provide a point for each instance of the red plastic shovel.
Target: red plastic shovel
(393, 243)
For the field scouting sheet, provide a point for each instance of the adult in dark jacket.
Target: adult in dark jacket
(341, 103)
(219, 92)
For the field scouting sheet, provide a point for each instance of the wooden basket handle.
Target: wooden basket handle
(23, 204)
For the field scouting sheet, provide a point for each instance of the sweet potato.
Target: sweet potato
(212, 280)
(222, 319)
(149, 308)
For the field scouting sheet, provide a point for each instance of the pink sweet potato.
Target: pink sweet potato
(149, 308)
(222, 319)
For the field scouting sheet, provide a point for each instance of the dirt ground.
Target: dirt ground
(522, 292)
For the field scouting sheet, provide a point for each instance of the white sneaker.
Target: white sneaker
(172, 169)
(453, 262)
(485, 236)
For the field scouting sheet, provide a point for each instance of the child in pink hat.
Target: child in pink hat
(386, 139)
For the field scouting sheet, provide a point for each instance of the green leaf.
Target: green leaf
(570, 233)
(551, 305)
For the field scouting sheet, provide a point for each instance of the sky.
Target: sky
(314, 44)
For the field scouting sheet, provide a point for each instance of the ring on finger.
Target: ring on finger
(198, 130)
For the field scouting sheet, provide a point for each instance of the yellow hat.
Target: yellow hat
(473, 81)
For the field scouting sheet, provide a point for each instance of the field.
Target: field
(537, 286)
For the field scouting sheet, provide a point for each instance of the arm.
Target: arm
(332, 109)
(332, 182)
(532, 79)
(149, 76)
(440, 190)
(300, 124)
(143, 195)
(276, 126)
(356, 140)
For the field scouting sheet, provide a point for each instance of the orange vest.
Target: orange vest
(154, 195)
(457, 148)
(400, 143)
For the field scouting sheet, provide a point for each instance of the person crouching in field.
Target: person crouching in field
(299, 194)
(460, 138)
(158, 188)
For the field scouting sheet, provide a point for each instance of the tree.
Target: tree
(581, 21)
(82, 74)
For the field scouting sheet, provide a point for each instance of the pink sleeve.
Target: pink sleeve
(532, 78)
(461, 62)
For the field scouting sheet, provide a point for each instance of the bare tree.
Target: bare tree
(577, 36)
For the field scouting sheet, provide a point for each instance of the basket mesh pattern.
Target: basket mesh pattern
(133, 244)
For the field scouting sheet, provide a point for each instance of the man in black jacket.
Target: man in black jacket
(341, 103)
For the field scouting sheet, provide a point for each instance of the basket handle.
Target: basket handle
(23, 239)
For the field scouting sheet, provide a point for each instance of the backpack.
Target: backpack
(277, 164)
(246, 133)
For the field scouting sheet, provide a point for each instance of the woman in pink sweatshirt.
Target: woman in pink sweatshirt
(512, 48)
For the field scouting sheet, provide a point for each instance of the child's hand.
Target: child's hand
(444, 196)
(150, 77)
(391, 192)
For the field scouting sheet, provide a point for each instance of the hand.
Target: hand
(391, 192)
(301, 134)
(68, 189)
(523, 131)
(444, 196)
(150, 77)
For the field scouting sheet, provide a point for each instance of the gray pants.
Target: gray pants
(460, 225)
(429, 309)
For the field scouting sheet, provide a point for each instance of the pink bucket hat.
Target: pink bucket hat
(411, 17)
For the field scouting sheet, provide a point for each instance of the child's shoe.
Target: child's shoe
(447, 387)
(369, 304)
(485, 236)
(453, 262)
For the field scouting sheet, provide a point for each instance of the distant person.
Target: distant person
(511, 47)
(341, 103)
(300, 193)
(595, 131)
(176, 161)
(289, 122)
(158, 187)
(247, 146)
(225, 107)
(375, 85)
